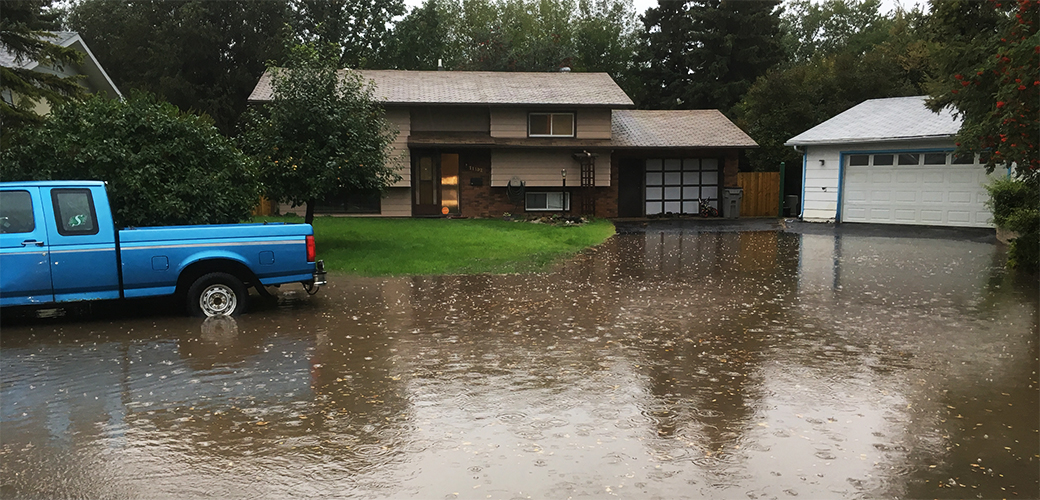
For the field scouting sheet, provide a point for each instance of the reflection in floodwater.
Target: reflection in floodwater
(668, 364)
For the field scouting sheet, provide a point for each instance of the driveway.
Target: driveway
(680, 359)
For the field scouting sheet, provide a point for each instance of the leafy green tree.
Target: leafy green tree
(359, 27)
(706, 53)
(426, 35)
(25, 35)
(791, 99)
(986, 60)
(163, 166)
(1016, 207)
(200, 55)
(832, 27)
(322, 133)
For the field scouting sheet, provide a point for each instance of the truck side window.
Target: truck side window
(74, 209)
(16, 213)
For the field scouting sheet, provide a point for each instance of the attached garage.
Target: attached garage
(891, 161)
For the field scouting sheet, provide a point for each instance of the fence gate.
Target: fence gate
(761, 194)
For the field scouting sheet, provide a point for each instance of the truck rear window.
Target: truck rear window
(74, 209)
(16, 213)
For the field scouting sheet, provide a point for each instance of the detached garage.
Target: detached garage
(891, 161)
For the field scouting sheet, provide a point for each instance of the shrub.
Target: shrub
(163, 166)
(1016, 207)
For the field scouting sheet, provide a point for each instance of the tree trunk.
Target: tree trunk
(309, 218)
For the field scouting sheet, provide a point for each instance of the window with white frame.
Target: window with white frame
(548, 201)
(550, 125)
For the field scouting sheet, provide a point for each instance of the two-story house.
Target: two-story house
(480, 144)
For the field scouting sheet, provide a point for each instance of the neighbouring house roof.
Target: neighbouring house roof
(97, 78)
(695, 128)
(483, 88)
(878, 120)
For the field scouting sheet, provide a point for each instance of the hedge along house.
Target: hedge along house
(481, 144)
(891, 161)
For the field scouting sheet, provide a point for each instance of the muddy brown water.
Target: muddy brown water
(672, 363)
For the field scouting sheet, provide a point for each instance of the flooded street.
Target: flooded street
(670, 362)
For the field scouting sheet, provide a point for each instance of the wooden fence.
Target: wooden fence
(761, 194)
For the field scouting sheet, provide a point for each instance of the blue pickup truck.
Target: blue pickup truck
(58, 244)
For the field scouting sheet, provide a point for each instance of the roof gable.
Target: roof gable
(878, 120)
(483, 88)
(98, 78)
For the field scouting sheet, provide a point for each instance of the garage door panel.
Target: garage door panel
(931, 215)
(906, 196)
(905, 215)
(924, 194)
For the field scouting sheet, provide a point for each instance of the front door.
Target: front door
(25, 271)
(435, 183)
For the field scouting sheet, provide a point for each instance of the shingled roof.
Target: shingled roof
(694, 128)
(878, 120)
(483, 88)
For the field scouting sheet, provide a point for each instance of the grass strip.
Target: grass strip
(395, 247)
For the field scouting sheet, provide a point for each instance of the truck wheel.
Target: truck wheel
(217, 294)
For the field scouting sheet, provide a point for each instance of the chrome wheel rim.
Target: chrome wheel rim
(218, 300)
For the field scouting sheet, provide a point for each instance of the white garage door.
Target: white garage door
(933, 189)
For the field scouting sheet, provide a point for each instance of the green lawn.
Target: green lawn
(393, 247)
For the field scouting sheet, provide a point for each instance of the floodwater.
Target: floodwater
(670, 362)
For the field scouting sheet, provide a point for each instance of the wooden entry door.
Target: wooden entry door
(435, 183)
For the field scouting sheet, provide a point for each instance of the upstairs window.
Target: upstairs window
(550, 125)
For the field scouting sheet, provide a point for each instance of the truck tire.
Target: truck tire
(217, 294)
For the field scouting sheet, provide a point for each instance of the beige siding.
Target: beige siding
(450, 119)
(400, 119)
(397, 203)
(508, 122)
(593, 124)
(541, 168)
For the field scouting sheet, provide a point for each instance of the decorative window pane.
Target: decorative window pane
(654, 208)
(909, 159)
(691, 164)
(550, 125)
(689, 178)
(673, 164)
(654, 178)
(881, 160)
(691, 193)
(964, 159)
(74, 210)
(672, 207)
(673, 178)
(673, 193)
(709, 177)
(859, 160)
(709, 192)
(654, 165)
(935, 159)
(16, 213)
(709, 164)
(691, 207)
(654, 193)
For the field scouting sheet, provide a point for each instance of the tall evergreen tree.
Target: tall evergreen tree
(707, 53)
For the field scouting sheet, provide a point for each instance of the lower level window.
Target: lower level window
(548, 201)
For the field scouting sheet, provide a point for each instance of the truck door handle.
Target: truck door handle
(32, 242)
